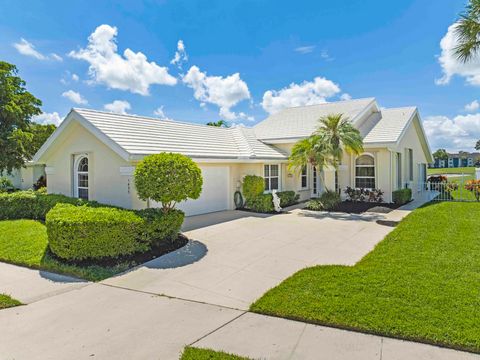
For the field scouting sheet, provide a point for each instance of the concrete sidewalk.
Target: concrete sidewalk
(28, 285)
(263, 337)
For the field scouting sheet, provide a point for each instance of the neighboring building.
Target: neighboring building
(458, 160)
(25, 177)
(93, 154)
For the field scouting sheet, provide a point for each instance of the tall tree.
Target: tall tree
(33, 138)
(334, 135)
(477, 145)
(17, 106)
(467, 32)
(440, 154)
(219, 123)
(339, 135)
(311, 151)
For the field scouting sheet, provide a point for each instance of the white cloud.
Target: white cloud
(132, 71)
(56, 57)
(453, 134)
(451, 66)
(181, 55)
(345, 97)
(306, 93)
(473, 106)
(118, 106)
(225, 92)
(160, 113)
(326, 56)
(28, 49)
(75, 97)
(305, 49)
(48, 118)
(75, 77)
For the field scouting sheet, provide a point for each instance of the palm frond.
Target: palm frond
(467, 31)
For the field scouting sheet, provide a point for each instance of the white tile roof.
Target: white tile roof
(390, 126)
(140, 135)
(302, 121)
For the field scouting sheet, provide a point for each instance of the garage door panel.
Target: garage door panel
(215, 192)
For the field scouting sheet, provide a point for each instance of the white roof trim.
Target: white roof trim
(74, 116)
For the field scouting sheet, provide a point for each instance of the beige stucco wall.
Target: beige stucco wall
(25, 177)
(106, 185)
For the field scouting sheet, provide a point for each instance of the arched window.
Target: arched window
(81, 178)
(365, 172)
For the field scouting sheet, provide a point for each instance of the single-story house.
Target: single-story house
(93, 154)
(26, 177)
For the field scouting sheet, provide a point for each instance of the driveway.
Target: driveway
(234, 257)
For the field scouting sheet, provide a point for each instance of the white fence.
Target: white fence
(445, 189)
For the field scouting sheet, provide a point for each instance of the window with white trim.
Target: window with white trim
(304, 178)
(82, 178)
(365, 172)
(271, 174)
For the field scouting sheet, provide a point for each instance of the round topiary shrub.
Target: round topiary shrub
(168, 179)
(86, 233)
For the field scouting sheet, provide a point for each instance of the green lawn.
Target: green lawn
(191, 353)
(24, 242)
(6, 302)
(422, 282)
(459, 170)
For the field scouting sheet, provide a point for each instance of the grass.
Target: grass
(25, 243)
(461, 193)
(6, 302)
(422, 283)
(459, 170)
(192, 353)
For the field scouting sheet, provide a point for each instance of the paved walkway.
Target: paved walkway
(29, 285)
(235, 261)
(104, 321)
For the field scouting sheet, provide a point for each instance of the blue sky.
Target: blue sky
(242, 60)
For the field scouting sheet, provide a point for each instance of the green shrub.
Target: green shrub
(5, 184)
(85, 233)
(81, 232)
(288, 198)
(402, 196)
(33, 205)
(262, 203)
(330, 199)
(252, 187)
(168, 178)
(160, 226)
(314, 204)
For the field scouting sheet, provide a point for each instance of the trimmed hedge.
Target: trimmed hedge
(252, 187)
(262, 203)
(402, 196)
(159, 226)
(288, 198)
(33, 205)
(85, 233)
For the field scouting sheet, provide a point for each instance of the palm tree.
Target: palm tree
(308, 151)
(467, 31)
(338, 135)
(325, 147)
(219, 123)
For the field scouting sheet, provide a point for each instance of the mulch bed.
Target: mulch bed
(133, 259)
(360, 207)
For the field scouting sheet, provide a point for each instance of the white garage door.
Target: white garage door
(214, 195)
